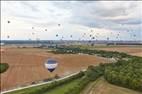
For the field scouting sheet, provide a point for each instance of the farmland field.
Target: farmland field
(63, 88)
(135, 50)
(101, 86)
(26, 65)
(131, 50)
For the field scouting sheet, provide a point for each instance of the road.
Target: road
(38, 84)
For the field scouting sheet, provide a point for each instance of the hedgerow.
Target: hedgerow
(3, 67)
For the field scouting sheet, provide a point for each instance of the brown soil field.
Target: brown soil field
(132, 50)
(101, 86)
(27, 65)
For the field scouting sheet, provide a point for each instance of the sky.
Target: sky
(71, 20)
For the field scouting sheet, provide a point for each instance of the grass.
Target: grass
(63, 88)
(101, 86)
(57, 90)
(3, 67)
(27, 90)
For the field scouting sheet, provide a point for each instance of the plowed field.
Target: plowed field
(26, 65)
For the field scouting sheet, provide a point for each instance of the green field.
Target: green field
(3, 67)
(101, 86)
(63, 88)
(57, 90)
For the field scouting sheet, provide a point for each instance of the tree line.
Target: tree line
(126, 72)
(102, 53)
(3, 67)
(123, 73)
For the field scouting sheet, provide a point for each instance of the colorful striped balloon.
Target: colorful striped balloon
(51, 64)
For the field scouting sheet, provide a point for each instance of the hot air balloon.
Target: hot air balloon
(8, 21)
(107, 38)
(51, 64)
(8, 36)
(59, 24)
(56, 35)
(33, 33)
(134, 35)
(93, 37)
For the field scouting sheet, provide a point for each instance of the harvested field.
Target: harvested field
(26, 65)
(132, 50)
(101, 86)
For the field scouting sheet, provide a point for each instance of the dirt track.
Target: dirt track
(27, 65)
(101, 86)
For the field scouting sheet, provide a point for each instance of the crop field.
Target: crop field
(101, 86)
(135, 50)
(63, 88)
(131, 50)
(26, 65)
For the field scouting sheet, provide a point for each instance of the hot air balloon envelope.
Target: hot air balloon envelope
(59, 24)
(51, 64)
(8, 21)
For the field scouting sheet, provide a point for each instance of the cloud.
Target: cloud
(132, 21)
(30, 6)
(74, 17)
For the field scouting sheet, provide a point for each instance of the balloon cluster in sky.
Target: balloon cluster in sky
(92, 37)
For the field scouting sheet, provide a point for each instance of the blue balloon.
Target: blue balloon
(51, 64)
